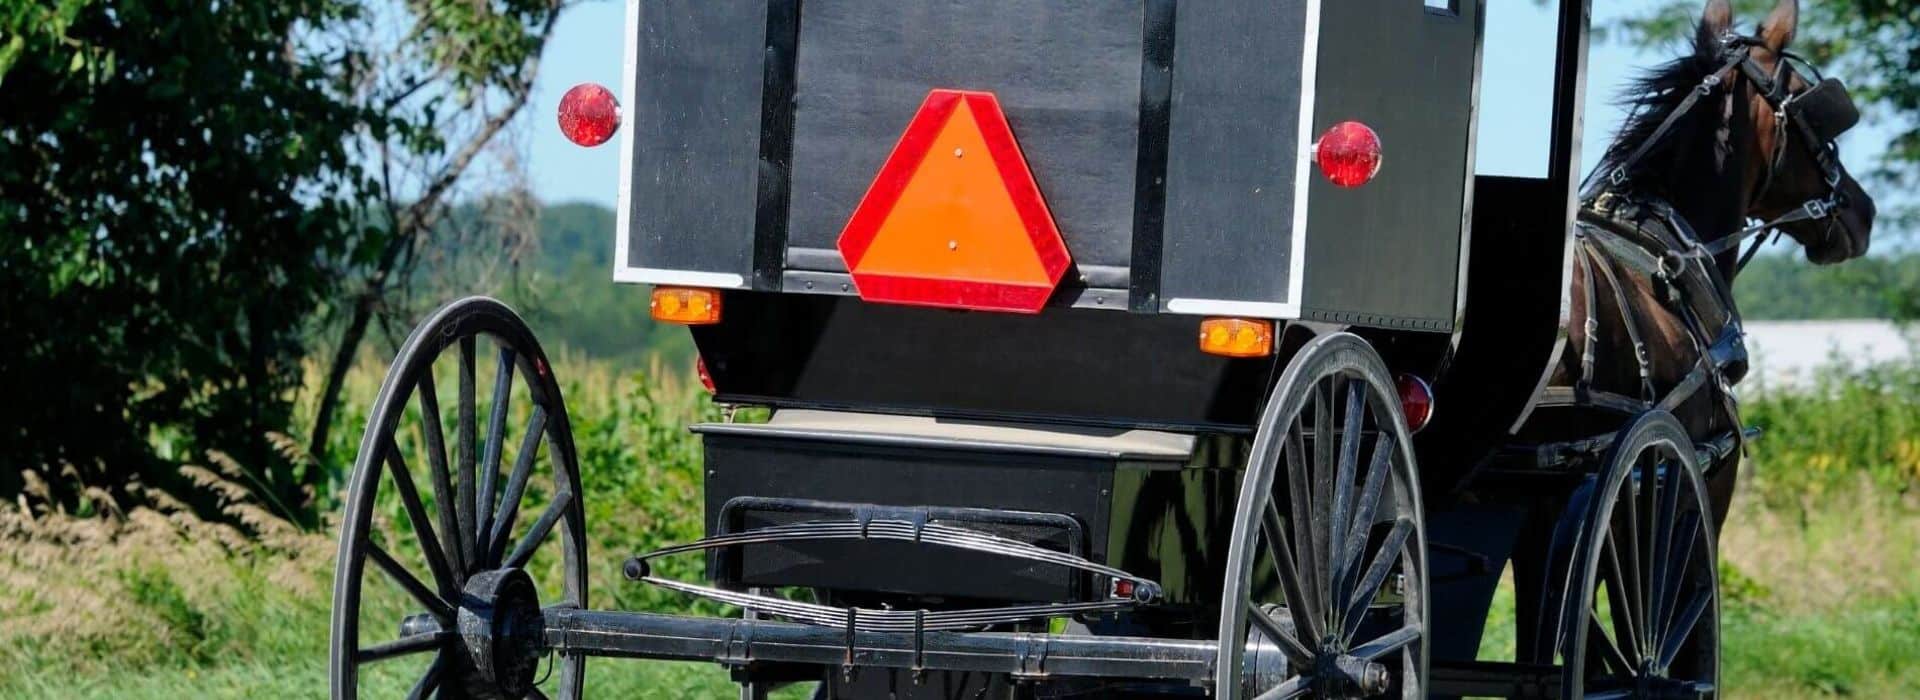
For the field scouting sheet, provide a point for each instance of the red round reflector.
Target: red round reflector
(1416, 401)
(700, 368)
(589, 114)
(1349, 154)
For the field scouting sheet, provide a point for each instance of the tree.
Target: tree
(183, 185)
(455, 79)
(171, 173)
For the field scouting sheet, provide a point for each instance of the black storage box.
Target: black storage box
(1051, 486)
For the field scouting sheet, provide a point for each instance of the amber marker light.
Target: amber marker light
(689, 306)
(1236, 337)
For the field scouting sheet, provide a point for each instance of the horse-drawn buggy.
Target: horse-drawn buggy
(963, 251)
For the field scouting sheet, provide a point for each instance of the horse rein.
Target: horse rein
(1737, 52)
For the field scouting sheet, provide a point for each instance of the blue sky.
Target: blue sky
(1516, 87)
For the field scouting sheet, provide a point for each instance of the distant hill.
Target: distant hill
(572, 296)
(562, 283)
(1784, 286)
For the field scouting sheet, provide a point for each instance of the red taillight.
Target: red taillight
(1349, 154)
(700, 368)
(589, 114)
(1416, 400)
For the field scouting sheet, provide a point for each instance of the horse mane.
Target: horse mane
(1653, 95)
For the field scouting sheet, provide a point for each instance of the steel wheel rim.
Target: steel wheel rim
(1362, 479)
(1656, 555)
(440, 565)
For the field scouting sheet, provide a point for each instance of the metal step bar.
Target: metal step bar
(742, 641)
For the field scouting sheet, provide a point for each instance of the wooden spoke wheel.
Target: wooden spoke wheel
(1326, 576)
(470, 525)
(1639, 612)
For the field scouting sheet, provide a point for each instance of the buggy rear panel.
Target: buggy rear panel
(1171, 142)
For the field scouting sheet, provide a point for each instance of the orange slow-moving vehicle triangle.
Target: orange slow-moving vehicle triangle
(954, 218)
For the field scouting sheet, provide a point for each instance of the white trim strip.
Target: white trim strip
(1303, 168)
(1226, 307)
(623, 208)
(690, 278)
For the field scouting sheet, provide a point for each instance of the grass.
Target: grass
(1819, 559)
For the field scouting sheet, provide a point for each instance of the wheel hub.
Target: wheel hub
(503, 629)
(1335, 673)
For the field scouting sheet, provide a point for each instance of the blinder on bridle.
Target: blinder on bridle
(1818, 116)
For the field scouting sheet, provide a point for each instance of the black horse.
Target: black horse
(1742, 130)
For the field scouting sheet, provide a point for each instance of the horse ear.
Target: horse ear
(1780, 26)
(1717, 20)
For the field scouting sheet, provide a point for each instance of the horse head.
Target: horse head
(1796, 117)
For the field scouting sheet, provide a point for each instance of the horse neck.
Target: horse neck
(1710, 194)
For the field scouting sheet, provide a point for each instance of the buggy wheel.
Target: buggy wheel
(1326, 585)
(464, 557)
(1638, 615)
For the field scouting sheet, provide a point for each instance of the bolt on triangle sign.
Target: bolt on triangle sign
(955, 219)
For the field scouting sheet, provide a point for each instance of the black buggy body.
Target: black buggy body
(1012, 473)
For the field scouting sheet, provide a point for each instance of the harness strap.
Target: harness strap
(1632, 323)
(1618, 176)
(1685, 389)
(1643, 255)
(1812, 210)
(1567, 397)
(1630, 252)
(1593, 316)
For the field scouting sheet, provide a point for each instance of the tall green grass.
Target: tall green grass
(1852, 424)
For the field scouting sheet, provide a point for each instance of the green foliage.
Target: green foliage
(186, 191)
(170, 176)
(1854, 423)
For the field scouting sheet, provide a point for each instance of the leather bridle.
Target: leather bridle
(1818, 115)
